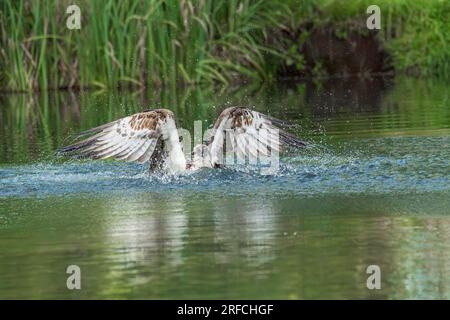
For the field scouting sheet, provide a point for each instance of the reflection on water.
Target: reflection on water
(347, 95)
(372, 188)
(34, 125)
(207, 246)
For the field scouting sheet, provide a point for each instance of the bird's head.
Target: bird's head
(200, 156)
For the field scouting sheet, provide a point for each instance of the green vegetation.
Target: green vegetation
(415, 33)
(158, 42)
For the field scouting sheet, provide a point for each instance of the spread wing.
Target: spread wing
(248, 134)
(132, 138)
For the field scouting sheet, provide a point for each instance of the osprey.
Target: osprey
(152, 136)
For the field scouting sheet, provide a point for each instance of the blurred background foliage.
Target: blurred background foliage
(154, 43)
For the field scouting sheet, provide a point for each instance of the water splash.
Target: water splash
(383, 165)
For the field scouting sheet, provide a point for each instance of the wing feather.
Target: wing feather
(148, 153)
(249, 134)
(131, 138)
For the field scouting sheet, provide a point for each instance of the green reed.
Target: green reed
(167, 42)
(130, 43)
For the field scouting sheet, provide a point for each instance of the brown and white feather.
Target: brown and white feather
(131, 138)
(247, 134)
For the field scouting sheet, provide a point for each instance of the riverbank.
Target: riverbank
(169, 43)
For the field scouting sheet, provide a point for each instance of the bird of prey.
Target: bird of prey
(152, 137)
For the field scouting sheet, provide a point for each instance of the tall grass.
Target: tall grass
(170, 42)
(136, 43)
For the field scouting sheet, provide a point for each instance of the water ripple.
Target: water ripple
(386, 165)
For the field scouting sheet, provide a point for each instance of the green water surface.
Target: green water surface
(372, 188)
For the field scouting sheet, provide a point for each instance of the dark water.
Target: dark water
(373, 187)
